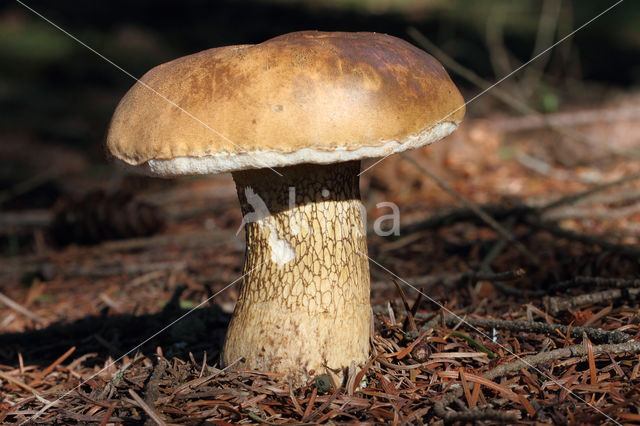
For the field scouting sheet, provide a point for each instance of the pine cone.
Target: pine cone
(98, 217)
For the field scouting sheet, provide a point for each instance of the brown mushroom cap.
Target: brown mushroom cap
(305, 97)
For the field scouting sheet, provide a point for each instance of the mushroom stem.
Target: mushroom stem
(304, 301)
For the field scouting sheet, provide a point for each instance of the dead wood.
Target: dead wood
(152, 388)
(595, 334)
(557, 304)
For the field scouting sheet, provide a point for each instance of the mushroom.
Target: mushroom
(291, 118)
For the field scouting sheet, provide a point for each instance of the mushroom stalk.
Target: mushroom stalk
(304, 301)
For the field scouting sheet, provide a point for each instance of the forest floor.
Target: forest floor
(536, 322)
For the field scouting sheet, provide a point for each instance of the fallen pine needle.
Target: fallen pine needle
(630, 416)
(17, 382)
(465, 387)
(592, 362)
(57, 362)
(458, 355)
(150, 412)
(21, 309)
(483, 381)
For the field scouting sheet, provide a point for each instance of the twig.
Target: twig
(477, 210)
(587, 239)
(576, 351)
(21, 309)
(559, 304)
(513, 275)
(474, 415)
(595, 334)
(573, 198)
(464, 214)
(601, 214)
(516, 292)
(583, 282)
(626, 195)
(152, 414)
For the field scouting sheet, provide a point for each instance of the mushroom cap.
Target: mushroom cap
(304, 97)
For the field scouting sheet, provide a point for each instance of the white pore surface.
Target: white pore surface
(226, 162)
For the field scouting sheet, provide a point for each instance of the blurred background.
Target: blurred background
(79, 237)
(56, 92)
